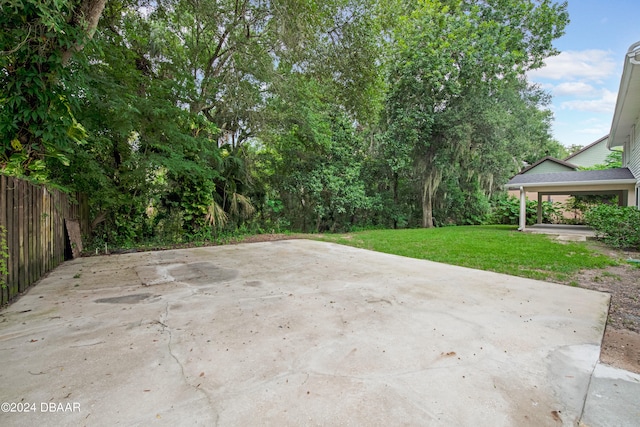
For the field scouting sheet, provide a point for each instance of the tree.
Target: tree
(613, 160)
(574, 148)
(37, 43)
(176, 94)
(229, 57)
(312, 160)
(150, 167)
(180, 117)
(445, 53)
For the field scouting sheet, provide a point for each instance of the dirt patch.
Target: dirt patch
(621, 342)
(621, 348)
(623, 283)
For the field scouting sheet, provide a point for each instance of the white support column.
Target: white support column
(629, 197)
(523, 209)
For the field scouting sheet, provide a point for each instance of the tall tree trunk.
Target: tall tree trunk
(395, 198)
(430, 183)
(86, 17)
(427, 206)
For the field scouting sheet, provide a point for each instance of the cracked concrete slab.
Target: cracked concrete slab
(296, 333)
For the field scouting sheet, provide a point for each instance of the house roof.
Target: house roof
(549, 159)
(606, 176)
(627, 104)
(586, 148)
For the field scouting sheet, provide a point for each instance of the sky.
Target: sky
(584, 79)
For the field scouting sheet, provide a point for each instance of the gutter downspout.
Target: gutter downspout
(523, 209)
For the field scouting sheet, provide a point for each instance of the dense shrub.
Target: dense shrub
(506, 210)
(461, 203)
(579, 204)
(618, 226)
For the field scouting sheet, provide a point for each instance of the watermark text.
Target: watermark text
(24, 407)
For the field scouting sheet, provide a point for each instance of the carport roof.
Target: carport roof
(592, 177)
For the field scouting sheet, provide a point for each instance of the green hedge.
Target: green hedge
(617, 226)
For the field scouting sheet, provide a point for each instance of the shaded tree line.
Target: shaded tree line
(184, 119)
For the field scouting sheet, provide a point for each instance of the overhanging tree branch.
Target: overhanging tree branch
(87, 16)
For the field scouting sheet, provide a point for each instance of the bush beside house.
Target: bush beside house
(618, 226)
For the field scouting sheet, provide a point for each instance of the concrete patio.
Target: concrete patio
(301, 332)
(579, 233)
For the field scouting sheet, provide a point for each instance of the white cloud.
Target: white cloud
(605, 104)
(592, 121)
(596, 131)
(596, 126)
(546, 86)
(573, 89)
(587, 65)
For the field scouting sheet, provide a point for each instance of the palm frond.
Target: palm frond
(241, 206)
(216, 216)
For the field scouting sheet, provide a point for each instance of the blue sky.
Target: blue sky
(585, 77)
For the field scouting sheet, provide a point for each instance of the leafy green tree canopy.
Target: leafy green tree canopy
(446, 53)
(38, 39)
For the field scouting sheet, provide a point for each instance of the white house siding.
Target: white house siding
(548, 166)
(633, 157)
(595, 155)
(632, 152)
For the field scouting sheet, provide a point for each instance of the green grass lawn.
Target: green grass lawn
(495, 248)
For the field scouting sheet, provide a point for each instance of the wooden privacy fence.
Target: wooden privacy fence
(32, 222)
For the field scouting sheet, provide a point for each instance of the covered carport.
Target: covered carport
(616, 181)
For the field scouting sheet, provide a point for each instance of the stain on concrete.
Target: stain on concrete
(253, 283)
(202, 273)
(195, 273)
(379, 301)
(125, 299)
